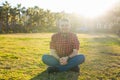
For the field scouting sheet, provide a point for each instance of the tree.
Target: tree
(6, 10)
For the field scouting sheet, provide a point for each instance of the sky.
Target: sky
(87, 8)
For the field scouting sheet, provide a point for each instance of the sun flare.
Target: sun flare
(86, 8)
(91, 8)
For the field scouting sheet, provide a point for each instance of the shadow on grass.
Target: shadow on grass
(56, 76)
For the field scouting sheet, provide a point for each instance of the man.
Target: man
(64, 48)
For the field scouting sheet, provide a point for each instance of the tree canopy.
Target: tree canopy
(34, 19)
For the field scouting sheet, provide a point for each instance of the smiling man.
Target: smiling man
(64, 48)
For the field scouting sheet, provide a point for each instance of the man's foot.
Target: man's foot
(75, 69)
(52, 69)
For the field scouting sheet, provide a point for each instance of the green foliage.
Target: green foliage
(34, 19)
(19, 19)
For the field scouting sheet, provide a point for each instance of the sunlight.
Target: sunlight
(86, 8)
(91, 8)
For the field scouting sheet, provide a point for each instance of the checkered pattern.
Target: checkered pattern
(64, 43)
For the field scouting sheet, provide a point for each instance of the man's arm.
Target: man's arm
(53, 53)
(64, 60)
(74, 53)
(75, 47)
(52, 47)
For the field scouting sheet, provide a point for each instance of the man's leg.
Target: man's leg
(75, 61)
(50, 60)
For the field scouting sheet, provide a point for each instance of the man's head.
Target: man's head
(64, 25)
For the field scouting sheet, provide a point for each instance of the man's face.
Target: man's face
(64, 26)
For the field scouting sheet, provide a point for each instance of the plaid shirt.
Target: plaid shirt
(64, 43)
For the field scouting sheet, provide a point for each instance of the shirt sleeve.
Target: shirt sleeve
(54, 53)
(75, 42)
(52, 43)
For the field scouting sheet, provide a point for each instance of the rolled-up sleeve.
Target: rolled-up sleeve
(76, 42)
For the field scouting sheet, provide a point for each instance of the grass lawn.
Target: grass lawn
(20, 57)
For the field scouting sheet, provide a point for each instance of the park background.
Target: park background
(25, 34)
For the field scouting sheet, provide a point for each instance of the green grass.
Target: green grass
(20, 57)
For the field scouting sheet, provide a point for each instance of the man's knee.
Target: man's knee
(49, 60)
(81, 58)
(45, 58)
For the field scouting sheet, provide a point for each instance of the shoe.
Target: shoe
(75, 69)
(52, 70)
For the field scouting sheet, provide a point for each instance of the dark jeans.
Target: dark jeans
(72, 62)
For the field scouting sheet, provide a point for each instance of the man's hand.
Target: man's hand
(63, 60)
